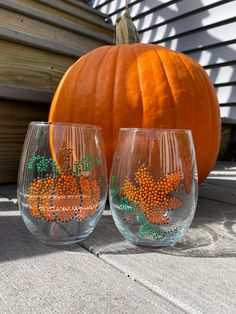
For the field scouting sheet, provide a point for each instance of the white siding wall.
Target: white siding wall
(203, 29)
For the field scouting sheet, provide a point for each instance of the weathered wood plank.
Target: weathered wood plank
(14, 119)
(11, 92)
(40, 10)
(41, 30)
(36, 278)
(33, 68)
(37, 45)
(85, 7)
(42, 44)
(83, 15)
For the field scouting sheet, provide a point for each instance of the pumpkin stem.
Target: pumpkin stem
(126, 32)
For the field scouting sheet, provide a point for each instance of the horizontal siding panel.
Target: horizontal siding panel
(223, 74)
(149, 13)
(215, 55)
(226, 94)
(108, 7)
(172, 12)
(202, 38)
(191, 23)
(135, 7)
(228, 112)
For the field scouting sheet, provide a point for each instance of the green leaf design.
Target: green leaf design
(126, 206)
(141, 219)
(148, 230)
(86, 164)
(43, 164)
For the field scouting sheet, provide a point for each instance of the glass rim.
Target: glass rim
(84, 125)
(157, 130)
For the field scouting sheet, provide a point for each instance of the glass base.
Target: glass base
(161, 236)
(62, 242)
(152, 243)
(58, 232)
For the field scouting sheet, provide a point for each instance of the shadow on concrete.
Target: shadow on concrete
(16, 242)
(212, 234)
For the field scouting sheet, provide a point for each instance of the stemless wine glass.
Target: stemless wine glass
(62, 184)
(153, 185)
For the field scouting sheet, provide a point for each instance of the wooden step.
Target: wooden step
(25, 94)
(28, 78)
(64, 11)
(53, 16)
(14, 119)
(86, 8)
(79, 7)
(30, 67)
(60, 32)
(39, 41)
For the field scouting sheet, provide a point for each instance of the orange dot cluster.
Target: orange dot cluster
(90, 193)
(66, 160)
(153, 197)
(63, 197)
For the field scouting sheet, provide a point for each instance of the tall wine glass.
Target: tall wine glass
(153, 185)
(62, 184)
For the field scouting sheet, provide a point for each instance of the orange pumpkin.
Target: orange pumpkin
(141, 85)
(80, 197)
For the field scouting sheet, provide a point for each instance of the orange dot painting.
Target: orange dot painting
(153, 198)
(62, 195)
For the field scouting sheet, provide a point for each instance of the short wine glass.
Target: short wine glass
(62, 185)
(153, 185)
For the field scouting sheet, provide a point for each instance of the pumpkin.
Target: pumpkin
(145, 86)
(64, 194)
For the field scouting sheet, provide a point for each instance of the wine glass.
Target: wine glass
(62, 185)
(153, 185)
